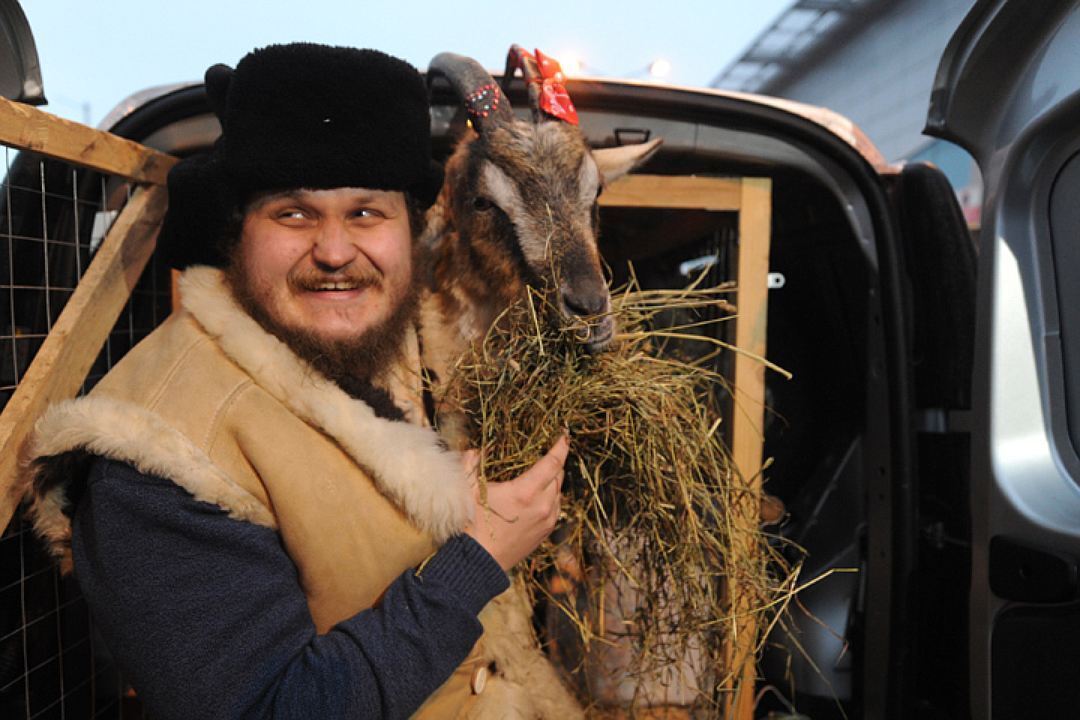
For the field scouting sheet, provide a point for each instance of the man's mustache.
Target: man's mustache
(312, 280)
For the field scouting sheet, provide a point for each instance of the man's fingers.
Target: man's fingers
(548, 468)
(558, 492)
(561, 448)
(559, 477)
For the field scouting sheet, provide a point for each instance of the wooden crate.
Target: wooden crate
(60, 366)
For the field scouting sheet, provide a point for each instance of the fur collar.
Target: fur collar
(408, 463)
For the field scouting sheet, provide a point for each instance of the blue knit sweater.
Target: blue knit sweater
(206, 616)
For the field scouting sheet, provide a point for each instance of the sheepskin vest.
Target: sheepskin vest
(228, 412)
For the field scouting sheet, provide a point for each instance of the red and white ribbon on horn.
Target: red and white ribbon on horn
(554, 100)
(547, 90)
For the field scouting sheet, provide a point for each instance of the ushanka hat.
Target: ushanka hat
(299, 116)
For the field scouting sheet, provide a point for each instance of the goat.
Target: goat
(518, 208)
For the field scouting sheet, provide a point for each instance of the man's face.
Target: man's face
(331, 264)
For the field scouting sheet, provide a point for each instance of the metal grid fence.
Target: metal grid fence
(54, 217)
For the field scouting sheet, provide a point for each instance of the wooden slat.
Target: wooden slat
(681, 192)
(174, 289)
(28, 128)
(61, 365)
(747, 437)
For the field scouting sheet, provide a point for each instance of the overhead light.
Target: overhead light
(660, 68)
(571, 63)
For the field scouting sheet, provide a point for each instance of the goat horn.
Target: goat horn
(519, 57)
(485, 103)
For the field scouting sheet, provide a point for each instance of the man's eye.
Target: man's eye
(290, 214)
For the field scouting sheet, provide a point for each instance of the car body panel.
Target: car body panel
(1008, 90)
(20, 71)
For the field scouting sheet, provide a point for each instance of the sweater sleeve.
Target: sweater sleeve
(206, 616)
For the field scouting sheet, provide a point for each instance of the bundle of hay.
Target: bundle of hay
(645, 560)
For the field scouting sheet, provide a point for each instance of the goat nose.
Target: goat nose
(584, 303)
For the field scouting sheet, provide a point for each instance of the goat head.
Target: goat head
(520, 199)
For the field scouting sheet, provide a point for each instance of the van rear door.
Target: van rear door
(1008, 90)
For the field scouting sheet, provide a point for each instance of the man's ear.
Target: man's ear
(617, 161)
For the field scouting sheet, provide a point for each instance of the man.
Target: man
(256, 528)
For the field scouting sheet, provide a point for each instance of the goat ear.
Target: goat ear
(617, 161)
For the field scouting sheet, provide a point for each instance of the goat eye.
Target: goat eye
(482, 203)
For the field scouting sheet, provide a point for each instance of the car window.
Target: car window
(1065, 239)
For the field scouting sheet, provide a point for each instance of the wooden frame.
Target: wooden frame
(748, 422)
(27, 128)
(77, 336)
(680, 192)
(752, 199)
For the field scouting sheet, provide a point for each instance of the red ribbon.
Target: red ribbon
(554, 100)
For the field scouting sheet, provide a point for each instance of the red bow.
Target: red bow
(554, 100)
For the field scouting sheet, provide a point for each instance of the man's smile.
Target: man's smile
(337, 286)
(338, 289)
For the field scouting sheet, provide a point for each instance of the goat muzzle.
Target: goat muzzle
(590, 315)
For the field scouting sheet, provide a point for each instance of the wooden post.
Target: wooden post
(61, 365)
(27, 128)
(174, 289)
(748, 417)
(752, 199)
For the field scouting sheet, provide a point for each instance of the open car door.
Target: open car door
(20, 71)
(1008, 90)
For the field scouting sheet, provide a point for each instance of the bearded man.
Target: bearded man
(256, 525)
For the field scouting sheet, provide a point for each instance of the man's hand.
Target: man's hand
(523, 511)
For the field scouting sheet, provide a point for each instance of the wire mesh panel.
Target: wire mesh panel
(53, 219)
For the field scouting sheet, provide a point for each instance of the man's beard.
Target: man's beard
(351, 363)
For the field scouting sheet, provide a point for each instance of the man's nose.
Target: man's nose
(334, 247)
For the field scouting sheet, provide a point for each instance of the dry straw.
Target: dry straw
(643, 568)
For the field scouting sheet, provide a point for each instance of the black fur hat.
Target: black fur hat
(300, 116)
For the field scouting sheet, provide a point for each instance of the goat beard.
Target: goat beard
(352, 364)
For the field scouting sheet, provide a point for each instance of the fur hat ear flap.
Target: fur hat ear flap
(203, 214)
(427, 189)
(218, 78)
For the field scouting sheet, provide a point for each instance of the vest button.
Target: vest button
(479, 679)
